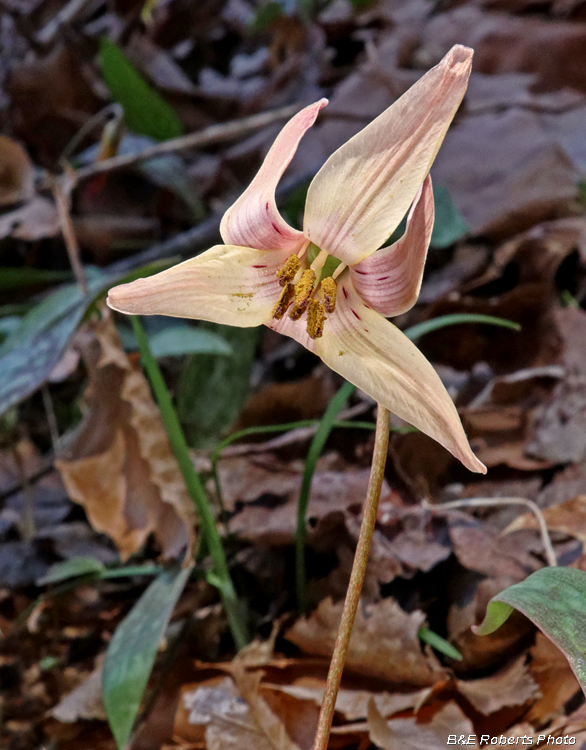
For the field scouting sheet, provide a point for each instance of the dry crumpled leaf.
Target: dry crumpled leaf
(384, 641)
(119, 464)
(217, 710)
(559, 426)
(271, 726)
(17, 174)
(568, 517)
(555, 678)
(353, 704)
(510, 686)
(36, 219)
(84, 702)
(409, 734)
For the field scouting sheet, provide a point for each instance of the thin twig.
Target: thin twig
(480, 502)
(207, 137)
(381, 444)
(51, 416)
(63, 200)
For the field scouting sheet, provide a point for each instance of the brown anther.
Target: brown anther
(329, 289)
(287, 273)
(285, 299)
(303, 292)
(316, 317)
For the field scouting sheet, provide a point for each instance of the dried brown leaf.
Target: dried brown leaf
(511, 686)
(84, 702)
(119, 464)
(555, 678)
(17, 175)
(409, 734)
(36, 219)
(384, 642)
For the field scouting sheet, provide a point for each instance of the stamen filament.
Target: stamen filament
(339, 269)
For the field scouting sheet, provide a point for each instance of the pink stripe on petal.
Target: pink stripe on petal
(389, 280)
(364, 189)
(372, 353)
(254, 220)
(235, 286)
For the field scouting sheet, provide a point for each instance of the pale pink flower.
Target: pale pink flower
(354, 203)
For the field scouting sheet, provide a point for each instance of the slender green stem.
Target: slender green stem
(220, 576)
(319, 440)
(377, 472)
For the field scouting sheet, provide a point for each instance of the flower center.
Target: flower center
(304, 290)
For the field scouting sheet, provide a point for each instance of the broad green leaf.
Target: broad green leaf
(444, 321)
(33, 348)
(177, 340)
(449, 226)
(145, 110)
(555, 600)
(75, 566)
(133, 648)
(14, 278)
(213, 387)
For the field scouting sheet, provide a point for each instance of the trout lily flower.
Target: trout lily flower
(329, 286)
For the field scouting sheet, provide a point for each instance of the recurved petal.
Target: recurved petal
(233, 285)
(254, 220)
(364, 189)
(372, 353)
(389, 280)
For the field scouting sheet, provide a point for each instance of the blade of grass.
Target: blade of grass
(319, 440)
(219, 576)
(443, 321)
(440, 644)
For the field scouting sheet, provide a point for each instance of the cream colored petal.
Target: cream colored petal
(389, 280)
(364, 189)
(372, 353)
(254, 220)
(295, 329)
(233, 285)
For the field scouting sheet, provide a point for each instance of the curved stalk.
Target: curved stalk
(377, 472)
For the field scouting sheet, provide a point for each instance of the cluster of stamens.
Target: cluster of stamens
(301, 292)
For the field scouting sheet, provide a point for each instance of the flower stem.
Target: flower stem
(377, 472)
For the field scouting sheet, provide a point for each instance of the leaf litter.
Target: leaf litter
(514, 246)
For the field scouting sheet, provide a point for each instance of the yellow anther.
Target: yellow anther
(285, 299)
(316, 316)
(303, 292)
(287, 273)
(329, 289)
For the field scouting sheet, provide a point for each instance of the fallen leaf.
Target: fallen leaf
(511, 686)
(409, 734)
(35, 220)
(555, 678)
(17, 174)
(353, 704)
(84, 702)
(384, 642)
(119, 464)
(568, 517)
(270, 725)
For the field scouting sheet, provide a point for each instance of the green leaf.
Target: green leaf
(132, 651)
(14, 278)
(440, 644)
(145, 110)
(443, 321)
(265, 16)
(33, 348)
(213, 388)
(75, 566)
(555, 600)
(177, 340)
(449, 225)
